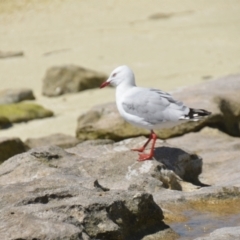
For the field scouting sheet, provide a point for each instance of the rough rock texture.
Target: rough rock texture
(220, 154)
(221, 97)
(58, 139)
(170, 166)
(21, 112)
(10, 147)
(48, 193)
(70, 79)
(228, 233)
(8, 96)
(90, 191)
(10, 54)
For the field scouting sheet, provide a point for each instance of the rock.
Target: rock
(11, 54)
(221, 97)
(70, 79)
(98, 190)
(227, 233)
(58, 139)
(10, 147)
(104, 122)
(8, 96)
(21, 112)
(4, 122)
(47, 192)
(171, 165)
(220, 167)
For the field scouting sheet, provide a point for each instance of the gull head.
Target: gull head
(120, 75)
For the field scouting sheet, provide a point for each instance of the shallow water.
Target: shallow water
(200, 224)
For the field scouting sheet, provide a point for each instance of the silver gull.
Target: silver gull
(148, 108)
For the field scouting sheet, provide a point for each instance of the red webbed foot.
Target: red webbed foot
(144, 157)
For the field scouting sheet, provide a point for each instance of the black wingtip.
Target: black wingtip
(197, 113)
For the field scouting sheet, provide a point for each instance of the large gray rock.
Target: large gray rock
(75, 189)
(70, 79)
(221, 97)
(58, 139)
(220, 154)
(166, 171)
(10, 147)
(8, 96)
(48, 193)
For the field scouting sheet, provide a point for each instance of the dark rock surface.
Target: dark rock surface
(58, 139)
(22, 112)
(70, 79)
(221, 97)
(4, 122)
(8, 96)
(10, 147)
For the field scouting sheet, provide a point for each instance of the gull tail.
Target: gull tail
(195, 114)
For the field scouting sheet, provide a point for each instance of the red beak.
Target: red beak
(104, 84)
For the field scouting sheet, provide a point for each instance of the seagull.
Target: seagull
(148, 108)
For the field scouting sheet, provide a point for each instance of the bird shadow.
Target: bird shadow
(188, 166)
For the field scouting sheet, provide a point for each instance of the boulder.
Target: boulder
(58, 139)
(70, 79)
(9, 54)
(10, 147)
(22, 112)
(170, 167)
(97, 189)
(8, 96)
(221, 97)
(47, 192)
(220, 154)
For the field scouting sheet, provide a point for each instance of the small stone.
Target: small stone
(10, 147)
(70, 79)
(9, 96)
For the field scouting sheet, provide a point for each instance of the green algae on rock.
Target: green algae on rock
(21, 112)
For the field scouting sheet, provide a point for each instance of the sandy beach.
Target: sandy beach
(168, 44)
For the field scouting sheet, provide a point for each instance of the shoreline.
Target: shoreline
(168, 46)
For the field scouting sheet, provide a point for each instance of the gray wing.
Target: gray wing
(154, 106)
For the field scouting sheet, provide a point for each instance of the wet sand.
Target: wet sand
(168, 44)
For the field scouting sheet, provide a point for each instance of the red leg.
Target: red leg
(144, 156)
(144, 146)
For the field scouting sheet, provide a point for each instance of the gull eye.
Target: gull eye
(114, 74)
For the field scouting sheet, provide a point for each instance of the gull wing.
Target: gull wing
(153, 106)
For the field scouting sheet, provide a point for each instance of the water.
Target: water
(203, 223)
